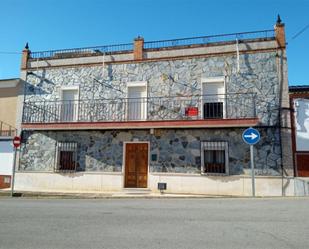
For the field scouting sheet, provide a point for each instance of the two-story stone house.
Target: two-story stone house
(126, 116)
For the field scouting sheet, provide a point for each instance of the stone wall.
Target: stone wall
(171, 150)
(258, 74)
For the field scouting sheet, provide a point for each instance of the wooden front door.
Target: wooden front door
(136, 165)
(302, 162)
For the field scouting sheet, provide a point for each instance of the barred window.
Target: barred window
(214, 157)
(66, 156)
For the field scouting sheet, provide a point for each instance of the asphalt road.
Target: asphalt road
(154, 223)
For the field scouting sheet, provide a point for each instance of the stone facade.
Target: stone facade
(171, 150)
(258, 75)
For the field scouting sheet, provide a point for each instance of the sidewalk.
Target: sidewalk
(100, 195)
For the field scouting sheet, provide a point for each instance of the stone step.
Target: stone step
(136, 191)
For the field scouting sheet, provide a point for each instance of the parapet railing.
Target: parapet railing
(224, 106)
(78, 52)
(128, 47)
(7, 130)
(203, 40)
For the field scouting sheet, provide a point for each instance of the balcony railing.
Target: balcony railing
(231, 106)
(7, 130)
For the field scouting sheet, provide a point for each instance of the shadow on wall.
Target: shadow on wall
(246, 57)
(37, 89)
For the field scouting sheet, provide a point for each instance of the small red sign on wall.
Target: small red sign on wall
(191, 111)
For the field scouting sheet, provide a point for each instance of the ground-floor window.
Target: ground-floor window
(66, 156)
(214, 157)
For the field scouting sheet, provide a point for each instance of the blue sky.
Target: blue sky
(56, 24)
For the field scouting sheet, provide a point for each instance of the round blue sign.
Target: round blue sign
(251, 136)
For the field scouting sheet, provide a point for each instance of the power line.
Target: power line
(300, 32)
(4, 52)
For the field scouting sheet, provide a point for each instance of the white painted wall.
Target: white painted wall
(176, 183)
(302, 124)
(6, 157)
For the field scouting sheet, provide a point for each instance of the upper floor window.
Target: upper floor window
(69, 103)
(137, 100)
(213, 98)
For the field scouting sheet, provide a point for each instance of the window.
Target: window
(7, 180)
(214, 157)
(67, 156)
(213, 110)
(214, 98)
(69, 104)
(137, 100)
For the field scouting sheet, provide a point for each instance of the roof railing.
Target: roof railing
(78, 52)
(203, 40)
(128, 47)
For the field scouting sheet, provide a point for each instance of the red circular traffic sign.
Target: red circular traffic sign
(16, 141)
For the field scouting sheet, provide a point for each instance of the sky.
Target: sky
(58, 24)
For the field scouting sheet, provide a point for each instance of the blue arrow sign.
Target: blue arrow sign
(251, 136)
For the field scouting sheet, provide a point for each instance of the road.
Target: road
(154, 223)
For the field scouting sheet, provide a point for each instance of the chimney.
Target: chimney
(25, 56)
(138, 48)
(280, 33)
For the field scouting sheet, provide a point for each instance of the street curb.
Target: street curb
(120, 195)
(51, 195)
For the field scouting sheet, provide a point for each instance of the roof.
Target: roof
(7, 83)
(298, 89)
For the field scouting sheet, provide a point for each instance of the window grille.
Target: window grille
(213, 110)
(66, 156)
(214, 157)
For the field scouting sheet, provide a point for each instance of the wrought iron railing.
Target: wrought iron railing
(202, 40)
(230, 106)
(78, 52)
(128, 47)
(7, 130)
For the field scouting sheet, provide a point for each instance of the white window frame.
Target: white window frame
(209, 80)
(225, 147)
(136, 84)
(7, 179)
(59, 147)
(69, 88)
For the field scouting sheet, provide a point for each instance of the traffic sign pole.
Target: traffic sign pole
(252, 170)
(16, 144)
(13, 172)
(251, 136)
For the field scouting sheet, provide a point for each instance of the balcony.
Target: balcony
(152, 112)
(6, 130)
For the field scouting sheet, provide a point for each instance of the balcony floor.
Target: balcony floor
(209, 123)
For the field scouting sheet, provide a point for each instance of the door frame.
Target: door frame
(124, 161)
(136, 84)
(71, 88)
(220, 79)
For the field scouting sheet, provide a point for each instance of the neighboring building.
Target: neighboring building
(10, 89)
(133, 115)
(299, 99)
